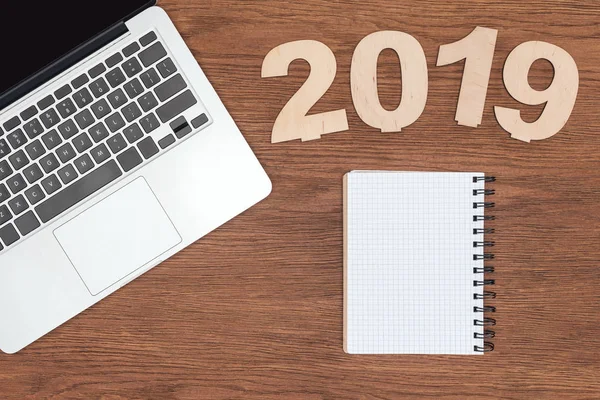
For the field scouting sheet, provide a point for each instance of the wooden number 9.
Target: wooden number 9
(364, 80)
(559, 96)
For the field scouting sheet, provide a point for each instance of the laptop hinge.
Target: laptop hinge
(62, 64)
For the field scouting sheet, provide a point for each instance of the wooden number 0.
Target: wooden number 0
(293, 123)
(364, 80)
(559, 96)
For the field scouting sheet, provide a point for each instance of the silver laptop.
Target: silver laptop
(115, 154)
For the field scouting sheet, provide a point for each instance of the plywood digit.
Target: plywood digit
(293, 123)
(477, 49)
(559, 97)
(364, 80)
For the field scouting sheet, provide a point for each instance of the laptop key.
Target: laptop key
(129, 159)
(132, 67)
(80, 81)
(9, 235)
(115, 77)
(67, 174)
(183, 131)
(83, 98)
(5, 170)
(147, 147)
(170, 88)
(66, 153)
(150, 78)
(114, 60)
(66, 108)
(97, 71)
(149, 123)
(49, 118)
(133, 133)
(100, 153)
(18, 160)
(117, 98)
(148, 102)
(35, 150)
(5, 215)
(148, 38)
(78, 191)
(52, 139)
(33, 173)
(4, 194)
(176, 106)
(51, 184)
(114, 122)
(28, 113)
(199, 121)
(134, 88)
(84, 164)
(4, 149)
(27, 223)
(68, 129)
(131, 112)
(49, 163)
(16, 183)
(98, 132)
(63, 91)
(33, 128)
(82, 142)
(131, 49)
(166, 68)
(35, 194)
(18, 204)
(12, 123)
(166, 141)
(99, 87)
(84, 119)
(45, 102)
(100, 108)
(116, 143)
(152, 54)
(17, 139)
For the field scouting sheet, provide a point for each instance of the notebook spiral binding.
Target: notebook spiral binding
(486, 295)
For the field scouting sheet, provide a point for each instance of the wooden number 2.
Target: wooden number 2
(477, 49)
(293, 123)
(364, 80)
(559, 96)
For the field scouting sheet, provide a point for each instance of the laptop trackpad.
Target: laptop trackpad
(117, 236)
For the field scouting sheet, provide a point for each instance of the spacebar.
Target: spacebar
(78, 191)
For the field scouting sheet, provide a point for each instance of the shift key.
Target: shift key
(78, 191)
(176, 106)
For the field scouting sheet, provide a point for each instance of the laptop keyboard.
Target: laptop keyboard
(89, 133)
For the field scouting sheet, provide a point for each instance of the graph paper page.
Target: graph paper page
(409, 263)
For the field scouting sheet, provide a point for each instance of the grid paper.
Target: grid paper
(409, 263)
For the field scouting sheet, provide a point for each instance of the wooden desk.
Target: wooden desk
(254, 310)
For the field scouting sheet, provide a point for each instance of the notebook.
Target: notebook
(415, 256)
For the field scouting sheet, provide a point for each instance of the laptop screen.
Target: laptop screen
(35, 34)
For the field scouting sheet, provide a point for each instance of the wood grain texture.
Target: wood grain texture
(254, 310)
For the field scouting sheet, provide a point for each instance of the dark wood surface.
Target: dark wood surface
(254, 310)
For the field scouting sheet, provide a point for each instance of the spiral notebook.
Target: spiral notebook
(415, 256)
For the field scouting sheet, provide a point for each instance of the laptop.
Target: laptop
(115, 154)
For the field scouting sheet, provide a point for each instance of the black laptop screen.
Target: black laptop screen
(33, 34)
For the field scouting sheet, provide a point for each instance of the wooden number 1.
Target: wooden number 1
(559, 96)
(477, 49)
(293, 123)
(364, 80)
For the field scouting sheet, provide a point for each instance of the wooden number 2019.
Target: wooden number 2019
(477, 49)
